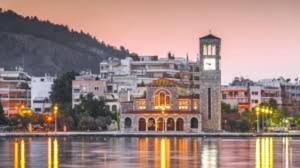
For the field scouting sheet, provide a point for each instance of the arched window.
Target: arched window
(162, 99)
(142, 124)
(213, 50)
(170, 124)
(194, 122)
(160, 124)
(168, 100)
(127, 122)
(179, 124)
(151, 124)
(156, 100)
(209, 50)
(204, 49)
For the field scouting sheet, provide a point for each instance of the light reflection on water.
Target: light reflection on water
(150, 152)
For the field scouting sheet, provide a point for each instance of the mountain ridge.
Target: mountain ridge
(44, 47)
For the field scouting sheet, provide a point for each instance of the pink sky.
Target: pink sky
(260, 38)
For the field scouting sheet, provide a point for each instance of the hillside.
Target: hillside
(43, 47)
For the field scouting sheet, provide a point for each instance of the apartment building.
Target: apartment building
(291, 97)
(40, 93)
(14, 90)
(237, 97)
(87, 83)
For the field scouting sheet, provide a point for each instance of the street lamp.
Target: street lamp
(257, 117)
(263, 110)
(55, 111)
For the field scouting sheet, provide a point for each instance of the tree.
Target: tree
(25, 118)
(87, 123)
(103, 122)
(3, 119)
(226, 108)
(61, 91)
(296, 120)
(93, 107)
(273, 103)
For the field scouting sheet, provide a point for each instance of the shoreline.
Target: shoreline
(142, 134)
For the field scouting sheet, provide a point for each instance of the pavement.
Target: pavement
(144, 134)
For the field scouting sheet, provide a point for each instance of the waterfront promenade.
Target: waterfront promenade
(144, 134)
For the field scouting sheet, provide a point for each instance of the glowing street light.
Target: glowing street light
(55, 111)
(263, 110)
(257, 117)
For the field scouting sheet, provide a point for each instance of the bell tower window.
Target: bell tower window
(209, 50)
(204, 49)
(213, 48)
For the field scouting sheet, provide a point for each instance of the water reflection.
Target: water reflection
(53, 148)
(19, 154)
(264, 152)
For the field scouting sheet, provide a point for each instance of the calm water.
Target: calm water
(150, 152)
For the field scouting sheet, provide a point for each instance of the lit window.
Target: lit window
(167, 100)
(141, 104)
(213, 48)
(183, 104)
(209, 50)
(195, 104)
(204, 50)
(162, 99)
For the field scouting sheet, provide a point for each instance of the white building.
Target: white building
(126, 74)
(40, 93)
(146, 69)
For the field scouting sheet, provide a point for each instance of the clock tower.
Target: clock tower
(210, 82)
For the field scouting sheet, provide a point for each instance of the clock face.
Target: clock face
(209, 64)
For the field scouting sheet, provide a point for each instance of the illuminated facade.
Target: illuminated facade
(166, 105)
(189, 101)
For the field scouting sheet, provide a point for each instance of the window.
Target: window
(127, 122)
(141, 104)
(195, 104)
(183, 104)
(213, 48)
(151, 124)
(96, 88)
(162, 99)
(194, 122)
(204, 49)
(209, 103)
(76, 90)
(209, 50)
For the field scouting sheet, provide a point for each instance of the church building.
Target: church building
(169, 105)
